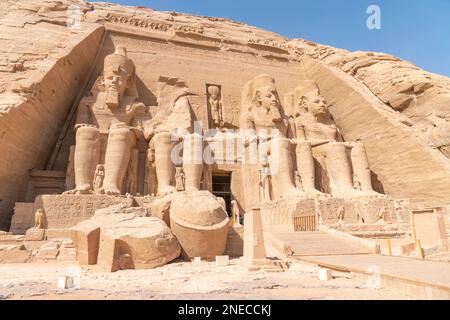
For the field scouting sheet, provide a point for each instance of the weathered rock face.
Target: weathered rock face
(119, 238)
(188, 68)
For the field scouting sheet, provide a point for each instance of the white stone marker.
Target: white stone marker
(65, 282)
(325, 274)
(222, 261)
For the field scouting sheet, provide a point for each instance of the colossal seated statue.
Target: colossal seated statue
(110, 110)
(172, 140)
(314, 127)
(262, 118)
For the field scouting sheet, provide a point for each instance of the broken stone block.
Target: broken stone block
(127, 240)
(35, 234)
(15, 256)
(160, 208)
(86, 240)
(200, 223)
(67, 254)
(139, 243)
(47, 254)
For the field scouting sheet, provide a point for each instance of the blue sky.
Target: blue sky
(415, 30)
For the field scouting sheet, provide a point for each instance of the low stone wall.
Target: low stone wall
(331, 210)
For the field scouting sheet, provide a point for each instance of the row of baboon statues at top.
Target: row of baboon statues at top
(113, 109)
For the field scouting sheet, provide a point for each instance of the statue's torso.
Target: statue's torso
(317, 130)
(103, 117)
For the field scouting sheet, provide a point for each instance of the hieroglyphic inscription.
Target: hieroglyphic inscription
(63, 211)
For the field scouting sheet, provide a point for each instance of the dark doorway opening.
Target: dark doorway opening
(221, 185)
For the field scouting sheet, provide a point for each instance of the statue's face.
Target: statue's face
(315, 104)
(268, 98)
(116, 81)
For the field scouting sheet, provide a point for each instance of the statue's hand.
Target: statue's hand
(135, 108)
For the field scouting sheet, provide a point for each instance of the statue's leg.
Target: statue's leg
(165, 167)
(282, 169)
(193, 161)
(339, 170)
(117, 157)
(361, 168)
(305, 166)
(86, 158)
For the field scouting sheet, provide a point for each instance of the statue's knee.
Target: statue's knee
(87, 133)
(164, 138)
(121, 135)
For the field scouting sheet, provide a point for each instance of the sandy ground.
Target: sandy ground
(183, 280)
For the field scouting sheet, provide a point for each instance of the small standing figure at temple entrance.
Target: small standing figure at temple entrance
(356, 183)
(98, 179)
(39, 219)
(265, 182)
(341, 214)
(236, 213)
(298, 180)
(382, 215)
(215, 105)
(180, 179)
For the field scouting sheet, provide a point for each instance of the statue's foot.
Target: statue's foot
(166, 190)
(100, 191)
(83, 189)
(112, 191)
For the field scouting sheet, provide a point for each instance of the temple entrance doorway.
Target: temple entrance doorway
(221, 187)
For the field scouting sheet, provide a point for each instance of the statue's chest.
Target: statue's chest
(316, 130)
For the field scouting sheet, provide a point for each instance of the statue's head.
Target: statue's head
(308, 99)
(265, 93)
(214, 92)
(260, 95)
(119, 75)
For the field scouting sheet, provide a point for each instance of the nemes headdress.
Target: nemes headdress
(119, 59)
(252, 86)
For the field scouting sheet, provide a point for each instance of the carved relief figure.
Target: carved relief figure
(99, 177)
(180, 179)
(39, 219)
(207, 178)
(298, 180)
(215, 104)
(262, 113)
(265, 182)
(316, 128)
(70, 172)
(356, 182)
(235, 212)
(341, 214)
(109, 111)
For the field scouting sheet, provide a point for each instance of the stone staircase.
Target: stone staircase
(317, 243)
